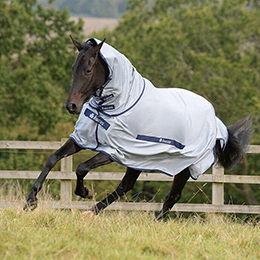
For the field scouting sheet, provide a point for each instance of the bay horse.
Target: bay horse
(125, 119)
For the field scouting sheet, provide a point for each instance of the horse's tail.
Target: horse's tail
(239, 136)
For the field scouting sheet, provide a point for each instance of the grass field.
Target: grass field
(55, 234)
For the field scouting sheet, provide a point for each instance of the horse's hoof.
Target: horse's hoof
(30, 205)
(90, 194)
(159, 217)
(85, 193)
(88, 214)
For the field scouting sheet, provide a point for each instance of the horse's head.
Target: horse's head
(89, 74)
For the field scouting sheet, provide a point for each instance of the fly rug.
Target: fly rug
(124, 118)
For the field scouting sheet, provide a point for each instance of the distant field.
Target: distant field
(96, 24)
(56, 234)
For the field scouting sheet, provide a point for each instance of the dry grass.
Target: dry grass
(55, 234)
(67, 234)
(92, 24)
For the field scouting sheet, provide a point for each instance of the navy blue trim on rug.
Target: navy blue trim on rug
(225, 142)
(215, 159)
(160, 140)
(113, 159)
(96, 118)
(119, 114)
(106, 98)
(107, 107)
(109, 78)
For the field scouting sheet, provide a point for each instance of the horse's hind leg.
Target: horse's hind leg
(83, 169)
(125, 185)
(175, 194)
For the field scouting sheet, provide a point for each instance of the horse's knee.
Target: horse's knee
(52, 160)
(177, 197)
(82, 170)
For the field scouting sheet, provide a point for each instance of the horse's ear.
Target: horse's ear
(76, 43)
(97, 48)
(94, 54)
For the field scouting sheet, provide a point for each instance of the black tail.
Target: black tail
(238, 141)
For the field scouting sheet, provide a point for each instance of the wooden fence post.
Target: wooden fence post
(66, 184)
(218, 185)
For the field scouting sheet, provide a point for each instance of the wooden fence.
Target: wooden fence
(66, 175)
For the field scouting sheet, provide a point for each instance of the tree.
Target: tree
(36, 55)
(209, 47)
(34, 67)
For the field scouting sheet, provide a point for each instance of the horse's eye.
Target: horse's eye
(87, 71)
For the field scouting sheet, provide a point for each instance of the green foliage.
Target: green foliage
(209, 47)
(35, 73)
(34, 67)
(92, 8)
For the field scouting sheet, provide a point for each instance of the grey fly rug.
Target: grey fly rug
(148, 128)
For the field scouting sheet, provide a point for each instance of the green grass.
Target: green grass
(55, 234)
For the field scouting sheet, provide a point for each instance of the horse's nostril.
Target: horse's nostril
(71, 107)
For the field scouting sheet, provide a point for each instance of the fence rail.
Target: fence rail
(66, 175)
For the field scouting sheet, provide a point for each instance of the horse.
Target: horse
(125, 119)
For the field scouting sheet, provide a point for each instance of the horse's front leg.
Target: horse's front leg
(69, 148)
(82, 170)
(175, 194)
(125, 185)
